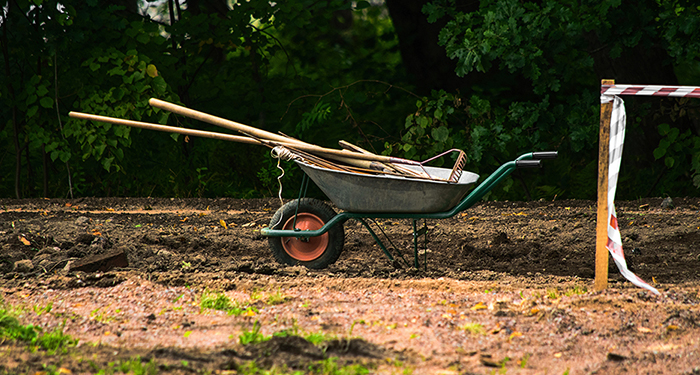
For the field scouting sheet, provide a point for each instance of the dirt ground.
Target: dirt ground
(508, 289)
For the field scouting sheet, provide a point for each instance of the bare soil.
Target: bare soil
(507, 288)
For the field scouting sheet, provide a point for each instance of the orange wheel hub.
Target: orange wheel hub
(305, 249)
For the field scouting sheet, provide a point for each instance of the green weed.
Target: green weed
(101, 317)
(330, 366)
(276, 298)
(132, 366)
(576, 291)
(12, 329)
(523, 361)
(552, 294)
(319, 337)
(253, 336)
(352, 326)
(38, 310)
(221, 302)
(474, 328)
(55, 341)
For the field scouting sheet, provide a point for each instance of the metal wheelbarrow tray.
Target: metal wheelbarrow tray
(308, 232)
(365, 193)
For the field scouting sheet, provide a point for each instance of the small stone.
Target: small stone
(667, 203)
(81, 220)
(24, 266)
(616, 357)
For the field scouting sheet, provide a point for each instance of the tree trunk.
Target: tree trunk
(423, 58)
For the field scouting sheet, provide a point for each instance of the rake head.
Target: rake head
(458, 167)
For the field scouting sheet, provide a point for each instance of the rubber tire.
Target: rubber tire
(336, 234)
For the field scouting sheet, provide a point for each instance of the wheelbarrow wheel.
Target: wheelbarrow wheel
(313, 252)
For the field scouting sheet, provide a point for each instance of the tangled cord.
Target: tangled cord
(280, 153)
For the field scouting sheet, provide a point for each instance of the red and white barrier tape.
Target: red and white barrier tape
(651, 90)
(617, 139)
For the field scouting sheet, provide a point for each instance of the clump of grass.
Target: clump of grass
(474, 328)
(552, 294)
(56, 340)
(134, 366)
(576, 291)
(276, 298)
(221, 302)
(38, 309)
(253, 336)
(12, 329)
(523, 361)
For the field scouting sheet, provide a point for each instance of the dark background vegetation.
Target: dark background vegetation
(409, 78)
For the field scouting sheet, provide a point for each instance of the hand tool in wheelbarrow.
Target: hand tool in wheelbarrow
(309, 232)
(339, 155)
(283, 150)
(367, 161)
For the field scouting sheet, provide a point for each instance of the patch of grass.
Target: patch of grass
(12, 329)
(352, 326)
(134, 366)
(221, 302)
(552, 294)
(253, 336)
(55, 341)
(330, 366)
(523, 361)
(216, 301)
(319, 337)
(474, 328)
(576, 291)
(38, 309)
(101, 317)
(276, 298)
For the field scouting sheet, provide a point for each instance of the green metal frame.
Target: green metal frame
(474, 196)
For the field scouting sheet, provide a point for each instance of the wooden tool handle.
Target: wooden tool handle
(262, 134)
(165, 128)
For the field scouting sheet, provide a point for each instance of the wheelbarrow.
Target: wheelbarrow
(309, 232)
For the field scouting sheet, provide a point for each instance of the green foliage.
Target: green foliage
(680, 152)
(55, 341)
(221, 302)
(134, 365)
(252, 336)
(248, 64)
(535, 86)
(11, 329)
(324, 71)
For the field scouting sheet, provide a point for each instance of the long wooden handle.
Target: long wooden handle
(165, 128)
(367, 164)
(214, 120)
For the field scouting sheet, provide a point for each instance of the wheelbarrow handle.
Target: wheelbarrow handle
(528, 164)
(545, 155)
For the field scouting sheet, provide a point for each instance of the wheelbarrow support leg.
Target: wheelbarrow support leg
(377, 240)
(417, 233)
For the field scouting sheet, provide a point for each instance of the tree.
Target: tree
(535, 68)
(255, 62)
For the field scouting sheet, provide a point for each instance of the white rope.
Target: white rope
(280, 153)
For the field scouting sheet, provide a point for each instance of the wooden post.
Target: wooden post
(601, 251)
